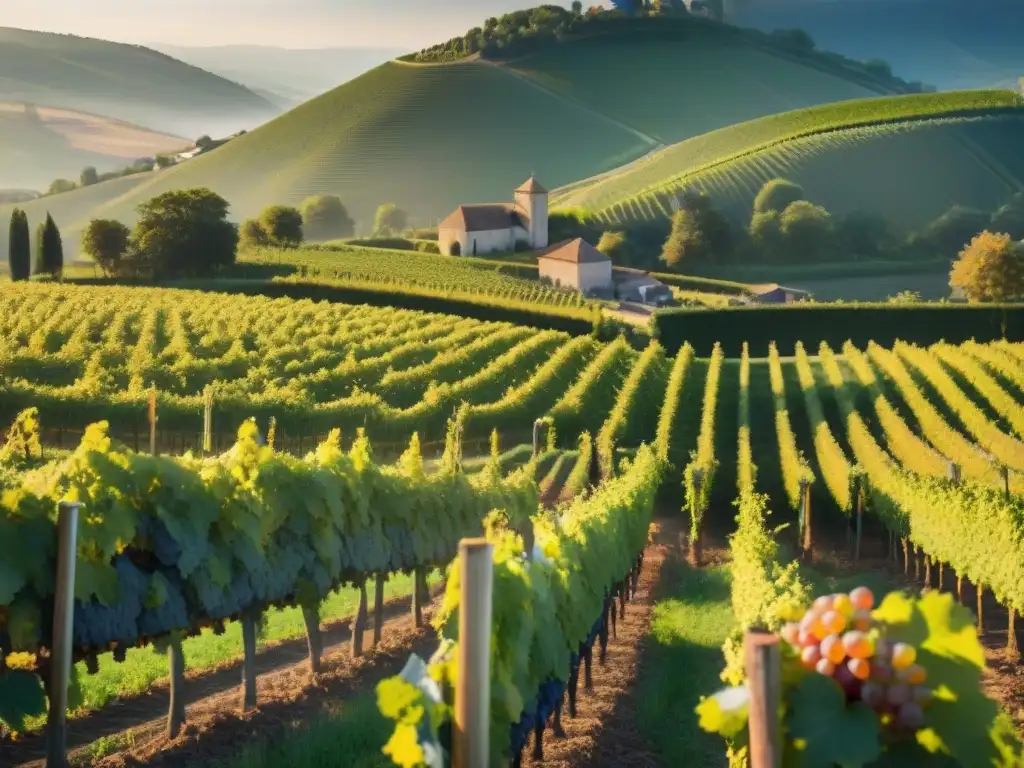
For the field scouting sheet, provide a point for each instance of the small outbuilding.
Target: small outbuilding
(576, 264)
(773, 293)
(638, 287)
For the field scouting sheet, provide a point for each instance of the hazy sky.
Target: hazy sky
(289, 23)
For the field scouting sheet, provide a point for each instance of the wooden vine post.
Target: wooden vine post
(176, 665)
(473, 690)
(152, 421)
(805, 519)
(859, 489)
(208, 420)
(249, 661)
(980, 591)
(417, 599)
(1011, 636)
(696, 552)
(63, 625)
(764, 683)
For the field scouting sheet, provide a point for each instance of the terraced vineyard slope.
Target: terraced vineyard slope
(883, 149)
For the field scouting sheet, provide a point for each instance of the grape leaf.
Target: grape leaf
(961, 719)
(827, 730)
(395, 696)
(722, 715)
(21, 697)
(404, 747)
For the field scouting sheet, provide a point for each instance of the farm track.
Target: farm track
(284, 689)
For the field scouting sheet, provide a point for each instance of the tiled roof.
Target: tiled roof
(484, 218)
(577, 251)
(532, 186)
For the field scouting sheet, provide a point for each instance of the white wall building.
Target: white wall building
(497, 227)
(576, 264)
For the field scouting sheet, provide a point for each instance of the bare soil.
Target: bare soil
(283, 671)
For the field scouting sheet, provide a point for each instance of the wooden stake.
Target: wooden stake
(63, 625)
(906, 556)
(417, 600)
(928, 570)
(176, 711)
(473, 691)
(808, 535)
(248, 662)
(764, 681)
(942, 574)
(378, 607)
(152, 421)
(1012, 649)
(359, 625)
(588, 658)
(980, 590)
(959, 588)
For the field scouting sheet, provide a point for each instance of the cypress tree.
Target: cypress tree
(19, 246)
(39, 251)
(54, 248)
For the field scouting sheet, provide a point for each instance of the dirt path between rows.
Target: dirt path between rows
(605, 732)
(282, 669)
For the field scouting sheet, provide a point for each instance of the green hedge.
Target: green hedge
(814, 323)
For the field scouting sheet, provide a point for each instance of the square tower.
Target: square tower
(532, 199)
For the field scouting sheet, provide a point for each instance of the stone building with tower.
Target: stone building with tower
(498, 227)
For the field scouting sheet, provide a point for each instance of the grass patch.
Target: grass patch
(691, 620)
(351, 734)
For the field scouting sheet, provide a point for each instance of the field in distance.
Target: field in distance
(908, 157)
(40, 144)
(126, 82)
(429, 137)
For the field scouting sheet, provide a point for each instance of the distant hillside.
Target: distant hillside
(126, 82)
(40, 144)
(429, 137)
(283, 74)
(950, 43)
(907, 157)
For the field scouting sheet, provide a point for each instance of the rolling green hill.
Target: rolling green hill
(431, 136)
(909, 157)
(40, 144)
(126, 82)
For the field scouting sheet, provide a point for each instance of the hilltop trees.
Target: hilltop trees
(184, 233)
(390, 220)
(777, 195)
(991, 268)
(89, 177)
(49, 249)
(324, 217)
(106, 241)
(699, 233)
(19, 246)
(283, 225)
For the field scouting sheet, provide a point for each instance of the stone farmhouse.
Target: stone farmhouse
(498, 227)
(578, 265)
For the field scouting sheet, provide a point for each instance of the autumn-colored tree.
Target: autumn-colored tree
(991, 268)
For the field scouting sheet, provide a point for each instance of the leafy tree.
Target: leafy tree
(699, 233)
(57, 186)
(49, 249)
(324, 217)
(204, 142)
(390, 220)
(808, 231)
(19, 246)
(283, 225)
(766, 237)
(991, 268)
(879, 68)
(577, 8)
(252, 236)
(106, 241)
(777, 195)
(185, 232)
(616, 246)
(89, 177)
